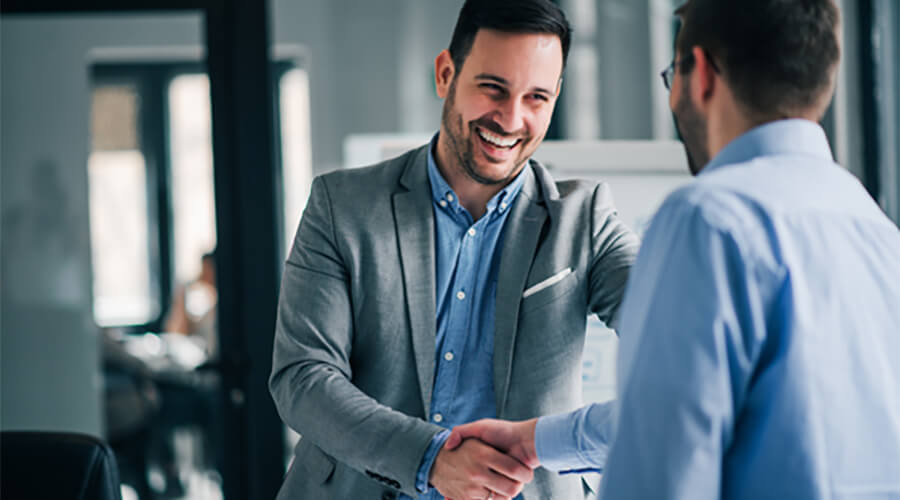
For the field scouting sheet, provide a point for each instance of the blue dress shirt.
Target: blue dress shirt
(467, 260)
(760, 338)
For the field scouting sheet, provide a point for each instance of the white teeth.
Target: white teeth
(496, 139)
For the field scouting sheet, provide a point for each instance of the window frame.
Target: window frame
(151, 81)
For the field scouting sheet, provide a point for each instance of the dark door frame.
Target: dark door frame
(247, 221)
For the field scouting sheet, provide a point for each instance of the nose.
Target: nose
(511, 115)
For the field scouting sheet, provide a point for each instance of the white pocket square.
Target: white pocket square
(547, 283)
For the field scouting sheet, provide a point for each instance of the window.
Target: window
(151, 180)
(117, 175)
(296, 146)
(193, 203)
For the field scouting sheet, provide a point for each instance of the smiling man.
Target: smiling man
(449, 284)
(498, 108)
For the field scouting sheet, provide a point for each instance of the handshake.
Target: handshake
(488, 459)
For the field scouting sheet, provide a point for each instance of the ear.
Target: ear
(444, 71)
(704, 78)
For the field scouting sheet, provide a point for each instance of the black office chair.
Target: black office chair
(61, 466)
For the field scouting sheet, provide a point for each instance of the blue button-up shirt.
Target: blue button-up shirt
(467, 261)
(760, 338)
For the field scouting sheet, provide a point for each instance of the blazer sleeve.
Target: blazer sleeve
(614, 251)
(311, 379)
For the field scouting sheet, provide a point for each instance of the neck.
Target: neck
(473, 195)
(728, 122)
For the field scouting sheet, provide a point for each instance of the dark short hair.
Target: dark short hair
(509, 16)
(778, 56)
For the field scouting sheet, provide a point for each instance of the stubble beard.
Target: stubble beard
(463, 149)
(691, 128)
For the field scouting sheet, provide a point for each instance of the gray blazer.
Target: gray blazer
(354, 355)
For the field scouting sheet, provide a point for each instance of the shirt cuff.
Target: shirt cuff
(554, 443)
(428, 460)
(574, 442)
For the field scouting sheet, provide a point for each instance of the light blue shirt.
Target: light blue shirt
(760, 338)
(467, 261)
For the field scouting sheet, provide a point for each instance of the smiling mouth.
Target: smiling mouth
(497, 141)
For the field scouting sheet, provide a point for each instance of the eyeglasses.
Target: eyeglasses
(668, 74)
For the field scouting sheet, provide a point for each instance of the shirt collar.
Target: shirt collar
(793, 136)
(444, 195)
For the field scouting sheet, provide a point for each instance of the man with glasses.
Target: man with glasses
(761, 325)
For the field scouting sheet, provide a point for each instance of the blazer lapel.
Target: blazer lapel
(414, 219)
(521, 235)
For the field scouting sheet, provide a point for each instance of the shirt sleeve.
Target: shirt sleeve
(692, 325)
(428, 460)
(575, 442)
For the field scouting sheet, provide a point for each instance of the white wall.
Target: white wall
(49, 356)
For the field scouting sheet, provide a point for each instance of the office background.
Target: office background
(83, 92)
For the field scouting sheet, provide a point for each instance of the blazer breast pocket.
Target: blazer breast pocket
(548, 290)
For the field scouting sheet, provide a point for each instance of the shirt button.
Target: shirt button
(443, 204)
(438, 417)
(449, 197)
(472, 231)
(448, 356)
(461, 295)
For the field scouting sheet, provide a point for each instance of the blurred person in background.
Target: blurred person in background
(193, 309)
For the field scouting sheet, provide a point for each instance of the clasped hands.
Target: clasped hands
(486, 460)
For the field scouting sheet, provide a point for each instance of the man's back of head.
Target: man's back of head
(780, 57)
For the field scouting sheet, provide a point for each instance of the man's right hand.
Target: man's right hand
(476, 471)
(513, 438)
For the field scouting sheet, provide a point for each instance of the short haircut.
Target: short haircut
(778, 56)
(509, 16)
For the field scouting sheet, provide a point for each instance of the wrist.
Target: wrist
(426, 468)
(528, 442)
(439, 469)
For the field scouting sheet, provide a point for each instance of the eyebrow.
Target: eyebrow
(503, 81)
